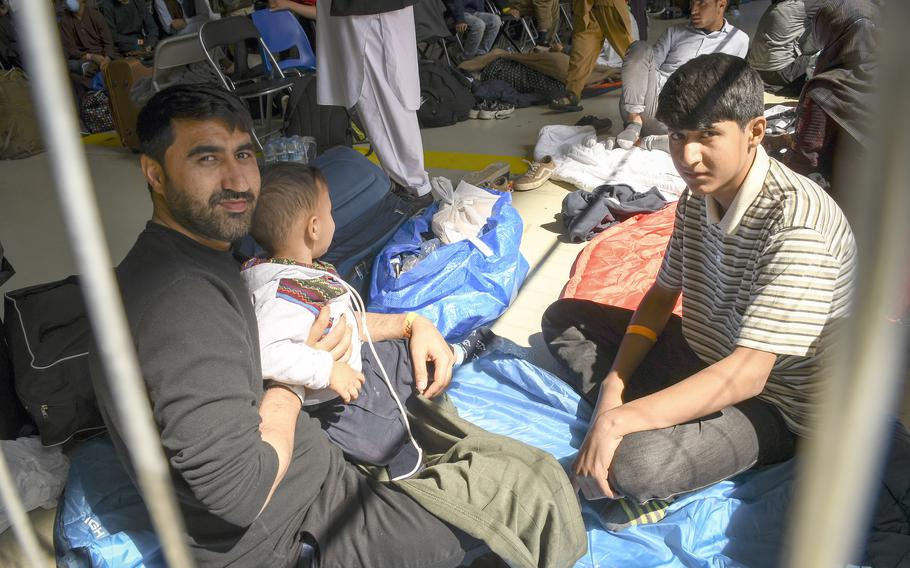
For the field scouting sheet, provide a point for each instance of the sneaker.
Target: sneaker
(538, 173)
(622, 513)
(475, 112)
(491, 172)
(495, 109)
(478, 343)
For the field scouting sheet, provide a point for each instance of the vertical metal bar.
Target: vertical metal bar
(836, 485)
(51, 93)
(18, 516)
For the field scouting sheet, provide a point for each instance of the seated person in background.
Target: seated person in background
(87, 41)
(303, 9)
(646, 69)
(176, 20)
(546, 18)
(764, 260)
(779, 50)
(479, 26)
(293, 221)
(835, 107)
(9, 48)
(132, 25)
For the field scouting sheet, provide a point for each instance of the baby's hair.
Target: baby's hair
(289, 190)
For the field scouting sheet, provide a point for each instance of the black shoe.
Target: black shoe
(599, 124)
(415, 202)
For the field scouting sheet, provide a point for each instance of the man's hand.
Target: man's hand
(461, 27)
(514, 13)
(429, 346)
(346, 381)
(337, 341)
(592, 465)
(178, 24)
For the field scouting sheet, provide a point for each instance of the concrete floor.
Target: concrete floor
(35, 240)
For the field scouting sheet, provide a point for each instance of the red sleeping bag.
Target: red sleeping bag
(620, 264)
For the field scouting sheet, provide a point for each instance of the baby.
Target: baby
(360, 401)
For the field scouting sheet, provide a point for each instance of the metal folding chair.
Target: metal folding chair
(174, 52)
(529, 32)
(234, 32)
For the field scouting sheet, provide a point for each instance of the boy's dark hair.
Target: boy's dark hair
(289, 190)
(186, 102)
(708, 89)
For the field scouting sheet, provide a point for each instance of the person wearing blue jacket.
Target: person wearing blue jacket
(479, 26)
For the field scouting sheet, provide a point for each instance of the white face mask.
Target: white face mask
(72, 5)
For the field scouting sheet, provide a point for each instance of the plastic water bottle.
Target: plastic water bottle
(294, 149)
(281, 153)
(268, 152)
(308, 147)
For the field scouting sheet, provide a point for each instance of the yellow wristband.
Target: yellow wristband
(643, 331)
(409, 323)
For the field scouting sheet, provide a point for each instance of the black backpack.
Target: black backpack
(12, 416)
(445, 95)
(329, 125)
(49, 337)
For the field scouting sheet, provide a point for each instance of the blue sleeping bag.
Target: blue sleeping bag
(457, 286)
(739, 522)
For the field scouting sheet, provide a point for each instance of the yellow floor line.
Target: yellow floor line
(461, 160)
(107, 139)
(441, 160)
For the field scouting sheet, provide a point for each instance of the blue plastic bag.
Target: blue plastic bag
(458, 287)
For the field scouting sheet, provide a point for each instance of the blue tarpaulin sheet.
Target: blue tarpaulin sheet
(102, 522)
(740, 522)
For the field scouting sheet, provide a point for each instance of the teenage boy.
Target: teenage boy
(764, 261)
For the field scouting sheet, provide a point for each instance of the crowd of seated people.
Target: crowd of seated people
(832, 110)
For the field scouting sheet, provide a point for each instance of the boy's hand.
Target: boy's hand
(345, 381)
(337, 341)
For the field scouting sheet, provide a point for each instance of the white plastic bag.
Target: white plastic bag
(38, 472)
(463, 212)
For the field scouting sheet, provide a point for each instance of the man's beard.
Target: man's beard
(207, 219)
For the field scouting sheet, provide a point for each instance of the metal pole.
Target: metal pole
(25, 533)
(51, 93)
(836, 485)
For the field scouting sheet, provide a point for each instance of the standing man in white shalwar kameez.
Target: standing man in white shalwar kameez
(367, 56)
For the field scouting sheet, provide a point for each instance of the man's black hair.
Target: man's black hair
(709, 89)
(186, 102)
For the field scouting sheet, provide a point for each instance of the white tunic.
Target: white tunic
(341, 55)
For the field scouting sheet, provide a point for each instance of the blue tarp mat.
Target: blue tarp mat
(101, 519)
(739, 522)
